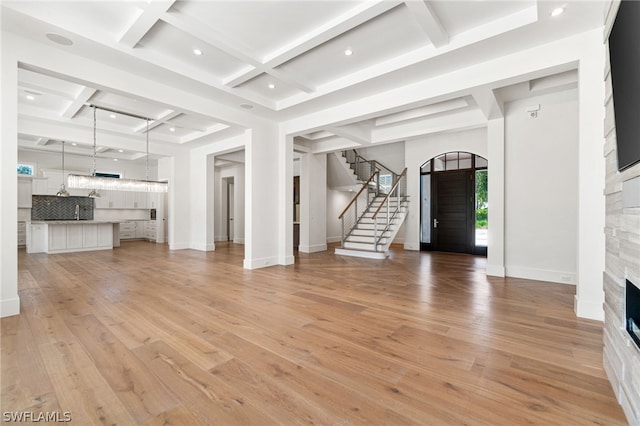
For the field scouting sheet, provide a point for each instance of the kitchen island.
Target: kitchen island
(67, 236)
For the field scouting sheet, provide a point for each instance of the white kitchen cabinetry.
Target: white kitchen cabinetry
(140, 225)
(127, 230)
(69, 236)
(22, 234)
(24, 193)
(150, 232)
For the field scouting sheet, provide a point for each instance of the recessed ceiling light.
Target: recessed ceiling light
(74, 144)
(197, 52)
(172, 129)
(59, 39)
(557, 11)
(272, 86)
(31, 97)
(115, 159)
(348, 52)
(121, 150)
(246, 106)
(112, 115)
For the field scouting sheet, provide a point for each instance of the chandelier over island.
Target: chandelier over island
(95, 183)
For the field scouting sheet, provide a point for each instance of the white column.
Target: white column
(202, 183)
(9, 299)
(495, 249)
(264, 188)
(591, 177)
(179, 203)
(285, 192)
(313, 203)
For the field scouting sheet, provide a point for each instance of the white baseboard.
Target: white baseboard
(238, 240)
(560, 277)
(334, 239)
(220, 238)
(313, 248)
(204, 247)
(588, 309)
(179, 246)
(495, 271)
(260, 263)
(9, 307)
(411, 246)
(287, 260)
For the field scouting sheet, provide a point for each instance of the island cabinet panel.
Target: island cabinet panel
(57, 237)
(69, 236)
(74, 236)
(90, 235)
(105, 235)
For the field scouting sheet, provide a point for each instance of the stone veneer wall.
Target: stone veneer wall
(622, 232)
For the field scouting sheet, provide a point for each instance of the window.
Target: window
(25, 169)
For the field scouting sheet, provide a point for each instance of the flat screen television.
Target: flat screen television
(624, 55)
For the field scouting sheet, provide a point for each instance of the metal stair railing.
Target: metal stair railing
(397, 193)
(380, 180)
(358, 206)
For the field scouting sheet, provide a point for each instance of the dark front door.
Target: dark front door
(452, 211)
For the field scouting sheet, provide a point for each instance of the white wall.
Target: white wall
(541, 188)
(390, 155)
(420, 150)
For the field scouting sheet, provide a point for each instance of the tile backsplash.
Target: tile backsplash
(50, 207)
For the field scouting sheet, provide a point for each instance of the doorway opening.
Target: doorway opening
(229, 196)
(454, 203)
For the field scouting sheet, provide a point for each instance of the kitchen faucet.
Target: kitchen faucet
(76, 215)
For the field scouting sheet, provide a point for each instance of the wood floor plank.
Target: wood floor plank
(139, 390)
(209, 399)
(145, 335)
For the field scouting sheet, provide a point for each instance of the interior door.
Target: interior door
(230, 207)
(452, 211)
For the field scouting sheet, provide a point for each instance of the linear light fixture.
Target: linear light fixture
(116, 184)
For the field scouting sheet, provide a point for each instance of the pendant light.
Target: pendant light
(63, 191)
(115, 184)
(94, 193)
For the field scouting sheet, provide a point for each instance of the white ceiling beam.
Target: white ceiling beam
(197, 136)
(359, 133)
(43, 141)
(426, 17)
(161, 119)
(144, 22)
(231, 47)
(347, 21)
(486, 99)
(78, 102)
(422, 111)
(456, 121)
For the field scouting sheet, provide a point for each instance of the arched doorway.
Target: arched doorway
(453, 203)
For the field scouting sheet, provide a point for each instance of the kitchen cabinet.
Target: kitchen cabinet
(68, 236)
(24, 193)
(140, 228)
(151, 231)
(22, 234)
(127, 230)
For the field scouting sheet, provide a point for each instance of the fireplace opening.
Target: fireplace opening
(633, 312)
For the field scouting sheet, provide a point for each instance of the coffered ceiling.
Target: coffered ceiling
(273, 59)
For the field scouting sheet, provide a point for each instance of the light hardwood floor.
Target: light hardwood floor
(144, 335)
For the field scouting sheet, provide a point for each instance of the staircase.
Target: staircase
(372, 219)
